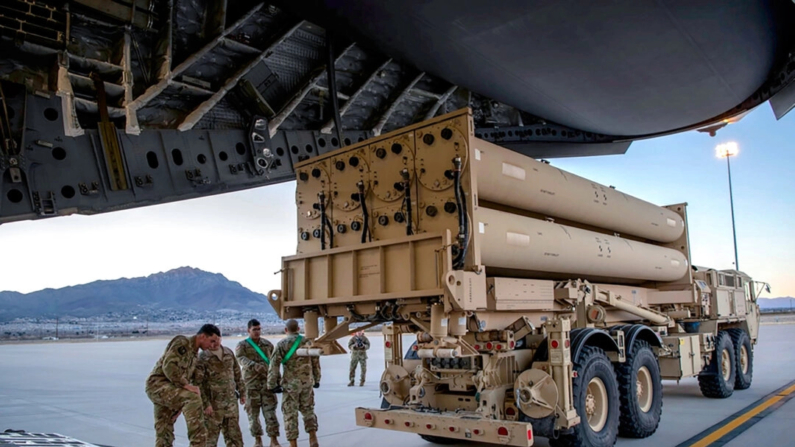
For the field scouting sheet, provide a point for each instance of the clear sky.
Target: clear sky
(243, 235)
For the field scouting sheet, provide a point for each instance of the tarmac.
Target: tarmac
(95, 392)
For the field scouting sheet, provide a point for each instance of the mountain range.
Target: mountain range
(776, 303)
(184, 288)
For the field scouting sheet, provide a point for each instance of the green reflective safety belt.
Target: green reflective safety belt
(259, 351)
(293, 348)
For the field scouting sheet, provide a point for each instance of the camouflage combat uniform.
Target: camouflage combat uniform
(221, 384)
(164, 386)
(300, 374)
(358, 346)
(258, 395)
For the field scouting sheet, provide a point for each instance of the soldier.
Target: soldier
(358, 344)
(220, 385)
(168, 387)
(254, 354)
(301, 374)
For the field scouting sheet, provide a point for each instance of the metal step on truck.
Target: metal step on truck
(540, 303)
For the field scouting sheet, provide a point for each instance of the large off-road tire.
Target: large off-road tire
(717, 380)
(640, 391)
(744, 356)
(595, 392)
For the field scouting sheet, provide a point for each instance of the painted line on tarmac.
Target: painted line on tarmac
(724, 431)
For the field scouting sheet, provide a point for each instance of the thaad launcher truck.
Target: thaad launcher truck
(540, 303)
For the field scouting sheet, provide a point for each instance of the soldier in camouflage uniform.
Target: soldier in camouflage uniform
(168, 387)
(220, 384)
(255, 374)
(301, 374)
(358, 344)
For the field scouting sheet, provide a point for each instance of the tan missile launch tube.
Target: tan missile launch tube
(517, 242)
(509, 178)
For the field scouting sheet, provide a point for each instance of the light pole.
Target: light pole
(728, 150)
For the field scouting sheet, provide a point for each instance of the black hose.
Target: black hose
(465, 238)
(322, 197)
(330, 233)
(459, 206)
(407, 201)
(365, 214)
(355, 316)
(396, 313)
(365, 224)
(463, 225)
(458, 201)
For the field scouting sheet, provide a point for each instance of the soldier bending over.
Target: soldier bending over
(168, 387)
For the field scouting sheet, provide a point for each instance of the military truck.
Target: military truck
(539, 303)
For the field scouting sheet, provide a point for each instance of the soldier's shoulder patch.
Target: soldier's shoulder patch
(182, 350)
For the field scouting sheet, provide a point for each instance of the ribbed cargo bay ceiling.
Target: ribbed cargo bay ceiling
(186, 98)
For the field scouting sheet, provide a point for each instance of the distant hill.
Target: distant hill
(184, 288)
(776, 303)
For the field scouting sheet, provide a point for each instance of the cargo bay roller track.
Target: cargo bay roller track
(113, 104)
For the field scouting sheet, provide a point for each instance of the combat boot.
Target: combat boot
(350, 383)
(275, 442)
(293, 443)
(361, 383)
(258, 441)
(313, 439)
